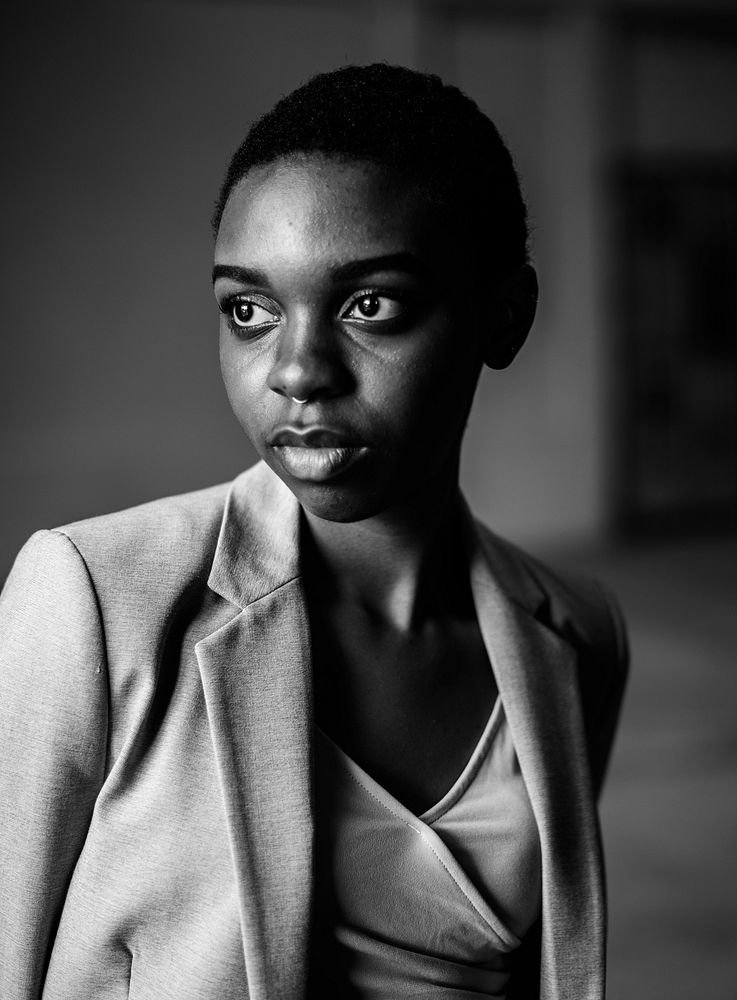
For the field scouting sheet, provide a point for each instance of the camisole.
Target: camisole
(423, 906)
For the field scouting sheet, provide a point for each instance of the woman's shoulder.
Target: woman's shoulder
(154, 547)
(577, 607)
(163, 523)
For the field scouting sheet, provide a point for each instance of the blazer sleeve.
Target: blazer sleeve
(53, 737)
(604, 687)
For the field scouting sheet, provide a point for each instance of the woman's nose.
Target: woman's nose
(308, 363)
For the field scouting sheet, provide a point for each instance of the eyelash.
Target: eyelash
(251, 332)
(247, 332)
(378, 293)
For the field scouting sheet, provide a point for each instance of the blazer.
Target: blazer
(156, 832)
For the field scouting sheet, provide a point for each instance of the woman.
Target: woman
(319, 731)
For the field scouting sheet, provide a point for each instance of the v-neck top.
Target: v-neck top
(430, 905)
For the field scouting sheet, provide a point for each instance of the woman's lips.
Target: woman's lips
(314, 454)
(316, 464)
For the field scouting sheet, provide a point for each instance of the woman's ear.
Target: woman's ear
(515, 302)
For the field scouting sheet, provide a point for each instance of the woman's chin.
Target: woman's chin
(335, 503)
(342, 498)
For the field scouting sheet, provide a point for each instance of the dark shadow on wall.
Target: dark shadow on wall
(677, 353)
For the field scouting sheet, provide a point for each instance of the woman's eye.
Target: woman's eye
(373, 308)
(246, 313)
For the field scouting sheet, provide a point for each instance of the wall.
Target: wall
(685, 92)
(118, 121)
(536, 449)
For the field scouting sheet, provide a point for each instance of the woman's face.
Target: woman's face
(339, 285)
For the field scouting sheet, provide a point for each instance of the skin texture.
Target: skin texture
(387, 355)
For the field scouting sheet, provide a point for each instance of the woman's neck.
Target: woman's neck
(402, 566)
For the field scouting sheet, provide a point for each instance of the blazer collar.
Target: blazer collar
(495, 563)
(258, 546)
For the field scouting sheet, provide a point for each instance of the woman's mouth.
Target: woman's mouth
(316, 464)
(314, 454)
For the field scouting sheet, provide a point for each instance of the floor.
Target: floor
(670, 807)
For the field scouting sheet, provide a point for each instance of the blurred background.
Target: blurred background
(609, 446)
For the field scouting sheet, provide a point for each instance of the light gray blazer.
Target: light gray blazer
(155, 729)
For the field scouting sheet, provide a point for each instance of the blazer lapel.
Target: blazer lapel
(535, 669)
(256, 678)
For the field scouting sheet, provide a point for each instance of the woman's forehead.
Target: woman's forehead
(298, 205)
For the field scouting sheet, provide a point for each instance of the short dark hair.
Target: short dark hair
(412, 124)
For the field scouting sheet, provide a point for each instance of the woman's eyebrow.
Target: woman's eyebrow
(406, 262)
(246, 275)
